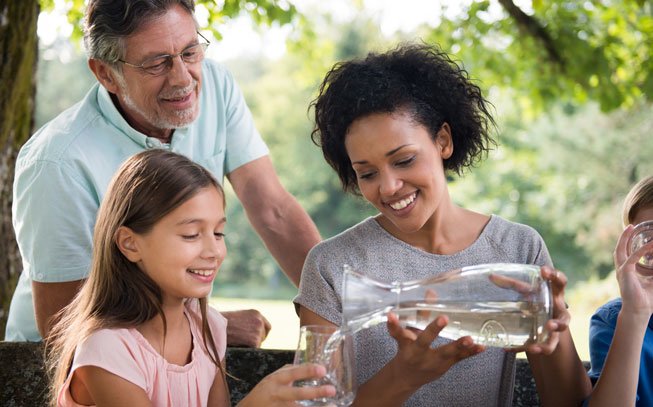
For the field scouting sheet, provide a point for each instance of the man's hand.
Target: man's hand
(246, 328)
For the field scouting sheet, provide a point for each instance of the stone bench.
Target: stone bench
(23, 382)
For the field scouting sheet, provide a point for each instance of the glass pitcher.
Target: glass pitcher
(504, 305)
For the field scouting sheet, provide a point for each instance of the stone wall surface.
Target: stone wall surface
(23, 382)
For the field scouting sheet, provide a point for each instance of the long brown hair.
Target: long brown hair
(117, 294)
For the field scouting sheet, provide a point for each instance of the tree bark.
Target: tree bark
(18, 56)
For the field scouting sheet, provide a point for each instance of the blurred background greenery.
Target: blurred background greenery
(572, 103)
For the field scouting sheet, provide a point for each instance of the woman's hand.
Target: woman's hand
(416, 362)
(277, 390)
(636, 288)
(561, 317)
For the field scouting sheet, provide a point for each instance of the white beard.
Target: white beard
(177, 119)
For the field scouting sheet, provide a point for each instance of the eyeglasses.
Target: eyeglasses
(162, 64)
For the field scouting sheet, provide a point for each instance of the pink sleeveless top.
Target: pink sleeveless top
(126, 353)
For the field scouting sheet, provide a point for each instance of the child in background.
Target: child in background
(140, 331)
(621, 331)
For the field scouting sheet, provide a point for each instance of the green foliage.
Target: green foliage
(563, 165)
(279, 93)
(73, 80)
(262, 12)
(590, 50)
(565, 174)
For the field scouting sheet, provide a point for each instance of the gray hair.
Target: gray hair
(109, 22)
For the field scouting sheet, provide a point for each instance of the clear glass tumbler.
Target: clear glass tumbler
(642, 234)
(327, 346)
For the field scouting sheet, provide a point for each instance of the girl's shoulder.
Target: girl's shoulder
(121, 351)
(108, 345)
(113, 337)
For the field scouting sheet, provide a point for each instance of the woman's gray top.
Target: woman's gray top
(486, 379)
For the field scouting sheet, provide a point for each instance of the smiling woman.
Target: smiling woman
(392, 125)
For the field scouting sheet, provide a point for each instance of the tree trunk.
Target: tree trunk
(18, 51)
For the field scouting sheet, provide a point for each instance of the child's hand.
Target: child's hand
(416, 362)
(636, 289)
(277, 390)
(561, 317)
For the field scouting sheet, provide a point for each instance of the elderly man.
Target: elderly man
(155, 90)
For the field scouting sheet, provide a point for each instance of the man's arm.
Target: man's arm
(53, 214)
(283, 225)
(49, 299)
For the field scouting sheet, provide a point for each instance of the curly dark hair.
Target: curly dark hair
(418, 79)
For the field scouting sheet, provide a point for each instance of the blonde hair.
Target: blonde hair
(640, 196)
(117, 294)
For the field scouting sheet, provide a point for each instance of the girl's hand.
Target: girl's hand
(416, 362)
(561, 317)
(636, 288)
(277, 390)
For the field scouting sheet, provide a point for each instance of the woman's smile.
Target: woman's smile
(399, 167)
(403, 203)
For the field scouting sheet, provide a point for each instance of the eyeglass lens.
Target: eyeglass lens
(163, 63)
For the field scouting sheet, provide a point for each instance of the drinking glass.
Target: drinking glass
(333, 349)
(642, 234)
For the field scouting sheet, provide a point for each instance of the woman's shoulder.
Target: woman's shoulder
(498, 226)
(360, 235)
(512, 234)
(518, 243)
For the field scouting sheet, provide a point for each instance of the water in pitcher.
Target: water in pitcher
(501, 324)
(502, 305)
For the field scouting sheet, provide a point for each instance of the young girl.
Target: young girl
(140, 332)
(621, 331)
(392, 125)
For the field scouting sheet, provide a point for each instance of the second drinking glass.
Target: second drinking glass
(326, 346)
